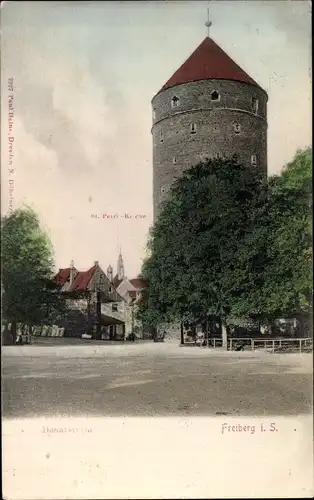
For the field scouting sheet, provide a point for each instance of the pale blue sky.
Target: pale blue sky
(84, 76)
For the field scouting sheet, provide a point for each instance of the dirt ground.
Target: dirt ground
(75, 378)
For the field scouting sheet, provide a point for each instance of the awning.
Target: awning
(108, 320)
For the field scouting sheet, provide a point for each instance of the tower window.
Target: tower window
(254, 105)
(114, 307)
(154, 114)
(174, 160)
(253, 160)
(161, 137)
(175, 102)
(237, 128)
(162, 189)
(214, 96)
(193, 128)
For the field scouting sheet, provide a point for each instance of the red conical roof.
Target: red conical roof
(208, 62)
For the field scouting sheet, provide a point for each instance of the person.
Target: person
(239, 346)
(19, 339)
(199, 339)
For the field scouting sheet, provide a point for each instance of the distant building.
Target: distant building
(100, 303)
(130, 290)
(87, 294)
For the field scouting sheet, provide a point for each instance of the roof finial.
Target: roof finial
(208, 22)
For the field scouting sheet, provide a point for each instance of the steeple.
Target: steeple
(120, 267)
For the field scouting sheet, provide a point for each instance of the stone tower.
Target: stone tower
(209, 107)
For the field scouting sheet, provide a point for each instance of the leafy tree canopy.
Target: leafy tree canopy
(27, 268)
(193, 269)
(230, 244)
(288, 284)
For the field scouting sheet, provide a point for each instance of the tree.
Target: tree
(27, 268)
(228, 245)
(193, 271)
(288, 287)
(278, 250)
(54, 304)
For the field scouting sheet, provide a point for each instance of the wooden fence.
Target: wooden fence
(269, 345)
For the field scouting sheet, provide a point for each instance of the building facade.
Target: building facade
(209, 107)
(94, 305)
(130, 290)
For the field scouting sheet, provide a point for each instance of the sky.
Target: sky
(84, 74)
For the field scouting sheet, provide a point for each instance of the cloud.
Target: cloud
(76, 137)
(84, 76)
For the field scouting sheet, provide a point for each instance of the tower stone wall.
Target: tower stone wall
(190, 123)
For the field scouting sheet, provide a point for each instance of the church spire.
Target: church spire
(120, 267)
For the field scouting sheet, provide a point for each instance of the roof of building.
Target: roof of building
(116, 281)
(138, 283)
(110, 320)
(208, 62)
(82, 279)
(63, 276)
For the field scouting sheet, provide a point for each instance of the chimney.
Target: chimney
(96, 263)
(71, 272)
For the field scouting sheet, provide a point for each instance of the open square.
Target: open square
(150, 379)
